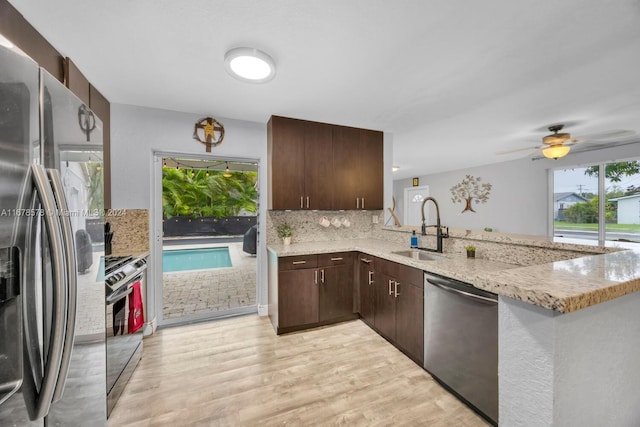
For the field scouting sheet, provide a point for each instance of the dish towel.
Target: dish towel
(136, 311)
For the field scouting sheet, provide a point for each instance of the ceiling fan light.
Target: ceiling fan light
(556, 151)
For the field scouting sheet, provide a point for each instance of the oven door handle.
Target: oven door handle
(118, 295)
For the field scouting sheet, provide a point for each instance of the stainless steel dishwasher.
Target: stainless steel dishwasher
(461, 341)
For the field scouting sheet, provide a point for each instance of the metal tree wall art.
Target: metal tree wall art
(468, 190)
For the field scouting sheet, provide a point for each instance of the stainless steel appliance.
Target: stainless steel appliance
(461, 341)
(52, 345)
(124, 346)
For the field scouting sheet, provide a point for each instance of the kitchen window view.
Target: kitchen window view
(578, 212)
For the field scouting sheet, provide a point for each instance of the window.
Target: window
(588, 206)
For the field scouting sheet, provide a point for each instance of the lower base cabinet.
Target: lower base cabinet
(335, 285)
(366, 288)
(298, 293)
(399, 307)
(314, 290)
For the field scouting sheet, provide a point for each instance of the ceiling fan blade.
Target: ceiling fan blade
(607, 135)
(517, 150)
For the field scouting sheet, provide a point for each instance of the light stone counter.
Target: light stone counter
(563, 286)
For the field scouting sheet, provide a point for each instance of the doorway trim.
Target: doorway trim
(407, 202)
(156, 227)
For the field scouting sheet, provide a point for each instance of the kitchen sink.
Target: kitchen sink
(418, 254)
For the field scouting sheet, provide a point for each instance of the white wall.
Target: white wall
(517, 201)
(519, 198)
(575, 369)
(138, 132)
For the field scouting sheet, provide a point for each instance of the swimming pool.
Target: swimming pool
(195, 259)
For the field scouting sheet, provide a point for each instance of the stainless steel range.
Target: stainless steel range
(125, 286)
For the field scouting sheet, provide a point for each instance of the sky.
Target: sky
(574, 180)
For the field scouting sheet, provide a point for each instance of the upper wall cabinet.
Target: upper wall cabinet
(326, 167)
(358, 168)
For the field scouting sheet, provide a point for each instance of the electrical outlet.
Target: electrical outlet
(374, 219)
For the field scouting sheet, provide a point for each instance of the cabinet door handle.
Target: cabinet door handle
(337, 259)
(322, 275)
(371, 277)
(396, 290)
(298, 262)
(307, 202)
(315, 277)
(366, 261)
(363, 203)
(390, 291)
(301, 205)
(357, 202)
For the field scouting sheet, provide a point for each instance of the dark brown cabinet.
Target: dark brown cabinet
(384, 318)
(399, 308)
(299, 154)
(336, 285)
(410, 312)
(358, 168)
(366, 287)
(297, 291)
(285, 142)
(312, 290)
(323, 167)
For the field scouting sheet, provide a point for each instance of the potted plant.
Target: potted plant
(471, 251)
(285, 232)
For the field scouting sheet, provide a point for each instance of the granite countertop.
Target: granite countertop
(563, 286)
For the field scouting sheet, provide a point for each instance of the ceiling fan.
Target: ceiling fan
(558, 144)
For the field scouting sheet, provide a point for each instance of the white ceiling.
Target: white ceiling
(454, 80)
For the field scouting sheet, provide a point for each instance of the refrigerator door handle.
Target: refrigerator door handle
(72, 280)
(39, 408)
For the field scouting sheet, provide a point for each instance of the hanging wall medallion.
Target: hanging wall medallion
(209, 131)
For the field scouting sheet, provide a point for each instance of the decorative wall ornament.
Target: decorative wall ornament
(392, 212)
(86, 120)
(470, 189)
(209, 131)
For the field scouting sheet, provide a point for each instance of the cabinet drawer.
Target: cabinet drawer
(339, 258)
(411, 275)
(297, 262)
(389, 268)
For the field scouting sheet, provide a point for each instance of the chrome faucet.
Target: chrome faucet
(439, 234)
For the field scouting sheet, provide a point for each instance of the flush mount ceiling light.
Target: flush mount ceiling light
(249, 65)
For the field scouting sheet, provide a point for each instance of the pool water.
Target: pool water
(195, 259)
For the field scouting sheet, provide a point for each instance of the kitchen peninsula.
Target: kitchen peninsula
(568, 327)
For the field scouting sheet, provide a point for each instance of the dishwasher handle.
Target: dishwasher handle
(442, 284)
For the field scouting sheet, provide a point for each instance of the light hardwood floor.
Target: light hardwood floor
(238, 372)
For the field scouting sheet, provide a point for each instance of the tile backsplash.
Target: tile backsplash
(130, 231)
(307, 228)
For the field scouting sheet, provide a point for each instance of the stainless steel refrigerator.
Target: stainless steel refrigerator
(52, 322)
